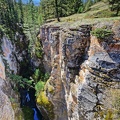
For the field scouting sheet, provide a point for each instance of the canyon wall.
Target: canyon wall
(84, 70)
(11, 58)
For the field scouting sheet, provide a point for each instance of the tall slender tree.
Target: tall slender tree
(57, 12)
(115, 6)
(21, 11)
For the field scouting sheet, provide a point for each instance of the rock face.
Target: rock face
(6, 109)
(11, 59)
(84, 71)
(9, 100)
(9, 106)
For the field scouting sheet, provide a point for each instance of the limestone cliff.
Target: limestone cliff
(84, 71)
(12, 54)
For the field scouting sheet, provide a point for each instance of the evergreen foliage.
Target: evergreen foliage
(40, 80)
(101, 33)
(28, 113)
(62, 7)
(115, 6)
(21, 82)
(8, 16)
(39, 87)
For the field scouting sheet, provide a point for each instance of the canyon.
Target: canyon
(85, 72)
(84, 82)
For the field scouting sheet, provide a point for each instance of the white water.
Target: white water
(28, 97)
(8, 49)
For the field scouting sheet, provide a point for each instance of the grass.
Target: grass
(97, 13)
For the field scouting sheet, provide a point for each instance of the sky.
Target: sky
(36, 2)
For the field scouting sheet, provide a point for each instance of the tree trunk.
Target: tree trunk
(117, 11)
(56, 8)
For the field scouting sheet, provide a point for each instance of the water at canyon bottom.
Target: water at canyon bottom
(28, 100)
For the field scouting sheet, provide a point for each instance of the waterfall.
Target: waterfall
(27, 99)
(35, 114)
(8, 49)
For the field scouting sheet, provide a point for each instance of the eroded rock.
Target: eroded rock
(84, 71)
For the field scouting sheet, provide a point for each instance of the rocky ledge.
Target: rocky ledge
(85, 71)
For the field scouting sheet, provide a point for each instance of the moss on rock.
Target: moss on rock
(43, 100)
(28, 113)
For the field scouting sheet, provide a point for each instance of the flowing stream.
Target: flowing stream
(28, 99)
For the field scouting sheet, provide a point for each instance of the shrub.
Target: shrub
(48, 87)
(109, 115)
(101, 33)
(38, 49)
(40, 76)
(39, 87)
(20, 81)
(36, 75)
(104, 14)
(43, 100)
(40, 80)
(28, 113)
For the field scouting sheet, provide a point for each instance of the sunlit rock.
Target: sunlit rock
(8, 50)
(2, 69)
(84, 71)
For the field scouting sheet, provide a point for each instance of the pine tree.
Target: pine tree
(115, 6)
(21, 10)
(60, 8)
(56, 8)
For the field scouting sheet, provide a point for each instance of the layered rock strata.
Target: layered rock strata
(84, 71)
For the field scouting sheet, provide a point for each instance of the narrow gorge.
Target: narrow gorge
(58, 70)
(85, 70)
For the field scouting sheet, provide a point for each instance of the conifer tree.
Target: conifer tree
(56, 8)
(21, 11)
(115, 6)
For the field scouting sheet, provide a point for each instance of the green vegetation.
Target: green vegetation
(39, 87)
(104, 13)
(19, 81)
(48, 87)
(88, 4)
(28, 113)
(67, 7)
(58, 8)
(26, 20)
(62, 8)
(40, 76)
(116, 102)
(38, 49)
(42, 100)
(115, 6)
(40, 80)
(109, 115)
(117, 105)
(101, 33)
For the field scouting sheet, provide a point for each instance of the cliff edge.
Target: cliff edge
(84, 70)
